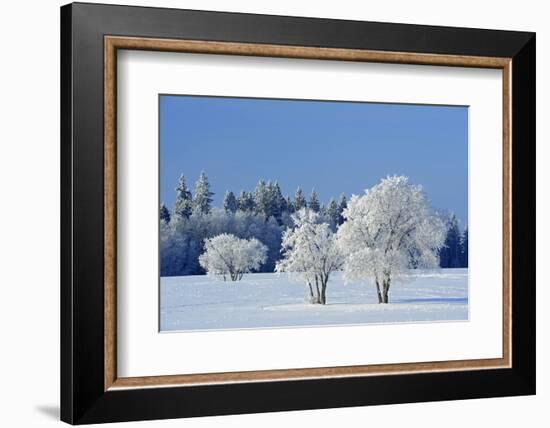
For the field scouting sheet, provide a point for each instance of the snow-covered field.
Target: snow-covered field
(265, 300)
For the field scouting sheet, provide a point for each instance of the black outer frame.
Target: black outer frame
(83, 399)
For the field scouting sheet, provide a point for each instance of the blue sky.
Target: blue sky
(332, 147)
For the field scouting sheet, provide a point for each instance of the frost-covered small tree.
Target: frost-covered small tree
(310, 250)
(164, 214)
(203, 195)
(229, 202)
(183, 207)
(314, 202)
(226, 255)
(299, 200)
(388, 230)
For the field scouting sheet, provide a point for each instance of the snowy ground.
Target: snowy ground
(266, 300)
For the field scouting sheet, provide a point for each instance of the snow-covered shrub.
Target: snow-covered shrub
(226, 255)
(310, 251)
(387, 231)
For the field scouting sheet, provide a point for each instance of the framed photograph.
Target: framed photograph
(265, 213)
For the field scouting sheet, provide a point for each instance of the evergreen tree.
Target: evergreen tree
(342, 205)
(229, 202)
(183, 206)
(203, 195)
(314, 202)
(261, 199)
(272, 202)
(332, 213)
(464, 248)
(276, 200)
(245, 202)
(450, 252)
(271, 236)
(164, 214)
(289, 205)
(283, 203)
(299, 200)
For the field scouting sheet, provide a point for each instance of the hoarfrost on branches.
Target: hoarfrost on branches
(311, 252)
(203, 195)
(265, 214)
(387, 231)
(183, 206)
(226, 255)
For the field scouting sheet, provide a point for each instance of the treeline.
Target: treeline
(265, 200)
(263, 213)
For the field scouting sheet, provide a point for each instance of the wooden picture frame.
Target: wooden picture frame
(91, 390)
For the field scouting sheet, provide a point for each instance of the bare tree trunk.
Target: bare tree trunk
(310, 292)
(324, 282)
(386, 290)
(318, 296)
(378, 292)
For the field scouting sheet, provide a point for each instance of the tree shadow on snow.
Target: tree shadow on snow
(454, 300)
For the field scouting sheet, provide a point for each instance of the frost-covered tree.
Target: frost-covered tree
(226, 255)
(245, 202)
(164, 214)
(203, 195)
(387, 231)
(183, 206)
(229, 202)
(310, 250)
(299, 200)
(314, 202)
